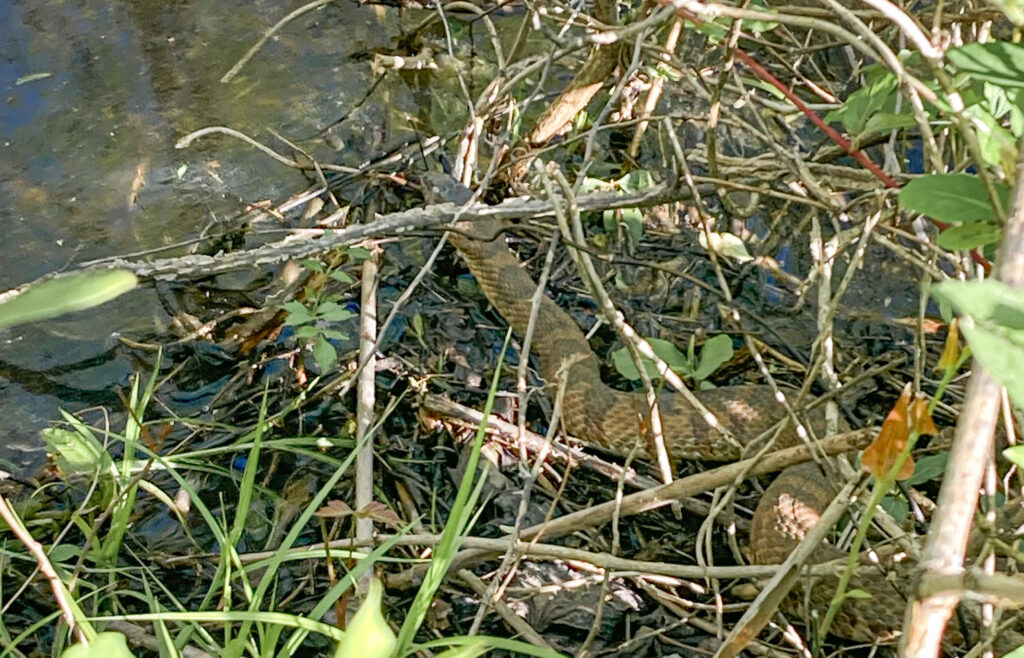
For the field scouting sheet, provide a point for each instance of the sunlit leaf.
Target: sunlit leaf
(65, 294)
(368, 633)
(999, 62)
(725, 244)
(106, 645)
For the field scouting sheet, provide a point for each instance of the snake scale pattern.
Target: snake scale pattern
(607, 417)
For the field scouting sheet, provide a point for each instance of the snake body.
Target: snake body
(599, 414)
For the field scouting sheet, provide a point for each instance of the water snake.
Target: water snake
(599, 414)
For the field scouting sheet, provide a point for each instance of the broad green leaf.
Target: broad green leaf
(969, 236)
(716, 351)
(666, 351)
(998, 62)
(106, 645)
(341, 276)
(952, 198)
(929, 467)
(63, 553)
(992, 321)
(634, 221)
(324, 354)
(985, 301)
(1002, 357)
(897, 508)
(65, 294)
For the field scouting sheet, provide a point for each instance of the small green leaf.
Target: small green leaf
(666, 351)
(716, 351)
(65, 294)
(307, 331)
(297, 313)
(857, 594)
(725, 244)
(341, 276)
(312, 265)
(76, 453)
(358, 254)
(324, 354)
(333, 312)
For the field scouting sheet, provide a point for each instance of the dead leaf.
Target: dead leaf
(907, 416)
(334, 509)
(380, 512)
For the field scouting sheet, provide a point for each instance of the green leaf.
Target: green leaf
(63, 553)
(106, 645)
(297, 313)
(333, 312)
(76, 453)
(952, 198)
(759, 26)
(1016, 455)
(368, 633)
(897, 508)
(992, 317)
(716, 351)
(636, 181)
(929, 467)
(324, 354)
(857, 594)
(65, 294)
(358, 254)
(312, 264)
(878, 95)
(666, 351)
(307, 331)
(998, 62)
(969, 236)
(341, 276)
(725, 244)
(634, 221)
